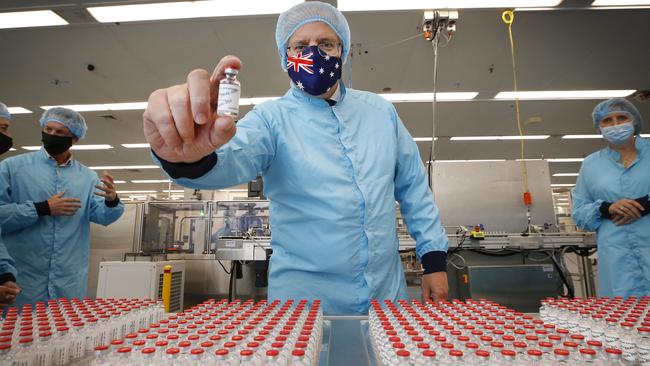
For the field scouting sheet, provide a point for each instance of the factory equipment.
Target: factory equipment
(226, 244)
(138, 279)
(175, 227)
(520, 286)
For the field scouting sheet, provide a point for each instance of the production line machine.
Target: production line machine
(225, 245)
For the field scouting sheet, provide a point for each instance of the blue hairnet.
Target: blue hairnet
(616, 105)
(67, 117)
(309, 12)
(4, 112)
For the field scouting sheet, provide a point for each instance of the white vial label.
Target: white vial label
(228, 104)
(629, 350)
(644, 352)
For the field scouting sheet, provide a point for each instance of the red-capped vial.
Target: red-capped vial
(560, 355)
(508, 355)
(534, 355)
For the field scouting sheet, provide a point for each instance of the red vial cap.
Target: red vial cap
(561, 352)
(298, 352)
(534, 352)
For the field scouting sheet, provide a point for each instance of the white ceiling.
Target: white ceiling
(556, 50)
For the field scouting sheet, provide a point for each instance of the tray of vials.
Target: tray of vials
(138, 332)
(481, 332)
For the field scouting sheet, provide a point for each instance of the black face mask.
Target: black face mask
(6, 143)
(55, 145)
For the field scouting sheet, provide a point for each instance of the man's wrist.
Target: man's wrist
(435, 261)
(604, 210)
(188, 170)
(42, 208)
(112, 203)
(7, 277)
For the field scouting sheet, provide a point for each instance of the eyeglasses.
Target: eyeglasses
(325, 48)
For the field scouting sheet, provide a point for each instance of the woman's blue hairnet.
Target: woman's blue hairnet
(308, 12)
(616, 105)
(67, 117)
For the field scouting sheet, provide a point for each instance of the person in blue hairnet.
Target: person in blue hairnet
(611, 198)
(8, 287)
(53, 199)
(334, 161)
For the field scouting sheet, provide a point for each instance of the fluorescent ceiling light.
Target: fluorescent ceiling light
(75, 147)
(645, 135)
(428, 97)
(582, 136)
(150, 181)
(470, 161)
(255, 101)
(173, 191)
(369, 5)
(494, 138)
(136, 146)
(529, 159)
(125, 167)
(119, 181)
(136, 191)
(565, 174)
(91, 147)
(562, 185)
(25, 19)
(12, 149)
(616, 3)
(565, 160)
(563, 94)
(233, 190)
(101, 107)
(18, 110)
(416, 139)
(188, 9)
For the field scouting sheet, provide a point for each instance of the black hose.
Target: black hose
(233, 278)
(559, 270)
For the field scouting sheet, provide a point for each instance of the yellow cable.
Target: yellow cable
(508, 17)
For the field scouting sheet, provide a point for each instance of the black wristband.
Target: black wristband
(188, 170)
(42, 208)
(112, 203)
(645, 202)
(6, 277)
(434, 262)
(604, 210)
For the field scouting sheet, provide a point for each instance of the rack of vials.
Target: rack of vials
(480, 332)
(138, 332)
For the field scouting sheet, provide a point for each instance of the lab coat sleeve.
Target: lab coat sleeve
(14, 216)
(247, 154)
(585, 210)
(414, 196)
(102, 214)
(6, 262)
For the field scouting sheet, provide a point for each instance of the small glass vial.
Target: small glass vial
(229, 92)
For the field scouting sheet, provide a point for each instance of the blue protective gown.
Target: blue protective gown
(51, 252)
(7, 264)
(332, 175)
(623, 251)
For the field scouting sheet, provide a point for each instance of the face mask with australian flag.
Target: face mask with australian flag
(312, 72)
